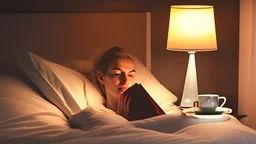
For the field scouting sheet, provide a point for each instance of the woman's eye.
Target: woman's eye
(117, 74)
(131, 75)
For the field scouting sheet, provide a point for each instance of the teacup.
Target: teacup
(209, 102)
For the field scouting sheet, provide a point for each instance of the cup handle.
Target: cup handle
(224, 100)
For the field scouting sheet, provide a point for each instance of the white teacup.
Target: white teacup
(209, 102)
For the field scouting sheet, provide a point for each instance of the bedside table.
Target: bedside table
(239, 116)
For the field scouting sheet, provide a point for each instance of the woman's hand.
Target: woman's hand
(123, 106)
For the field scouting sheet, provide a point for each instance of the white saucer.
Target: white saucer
(212, 117)
(218, 109)
(220, 117)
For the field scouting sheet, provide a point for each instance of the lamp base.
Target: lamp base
(190, 91)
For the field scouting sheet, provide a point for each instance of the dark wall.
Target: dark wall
(217, 71)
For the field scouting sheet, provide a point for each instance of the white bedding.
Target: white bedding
(26, 117)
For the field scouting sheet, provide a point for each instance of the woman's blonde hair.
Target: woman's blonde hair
(102, 63)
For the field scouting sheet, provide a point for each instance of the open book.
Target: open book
(142, 104)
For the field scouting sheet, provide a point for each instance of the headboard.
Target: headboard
(62, 36)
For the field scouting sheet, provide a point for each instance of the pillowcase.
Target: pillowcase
(98, 115)
(163, 97)
(69, 90)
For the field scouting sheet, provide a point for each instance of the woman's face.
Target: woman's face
(119, 77)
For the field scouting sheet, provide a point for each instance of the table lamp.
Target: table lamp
(191, 29)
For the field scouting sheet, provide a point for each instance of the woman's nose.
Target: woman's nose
(124, 79)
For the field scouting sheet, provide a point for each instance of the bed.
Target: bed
(48, 97)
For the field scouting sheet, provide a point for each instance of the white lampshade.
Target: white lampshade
(191, 28)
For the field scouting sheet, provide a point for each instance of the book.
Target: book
(142, 105)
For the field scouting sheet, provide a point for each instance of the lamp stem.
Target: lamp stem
(190, 91)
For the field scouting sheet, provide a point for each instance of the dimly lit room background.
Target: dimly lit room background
(217, 71)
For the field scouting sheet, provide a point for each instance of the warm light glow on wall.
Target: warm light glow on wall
(191, 28)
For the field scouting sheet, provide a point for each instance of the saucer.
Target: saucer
(220, 117)
(209, 113)
(218, 111)
(220, 114)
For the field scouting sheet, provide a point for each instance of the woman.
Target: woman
(114, 73)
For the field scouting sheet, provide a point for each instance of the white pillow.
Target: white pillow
(69, 90)
(98, 115)
(158, 92)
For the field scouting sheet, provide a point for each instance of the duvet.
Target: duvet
(26, 117)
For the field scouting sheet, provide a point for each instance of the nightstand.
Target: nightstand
(239, 116)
